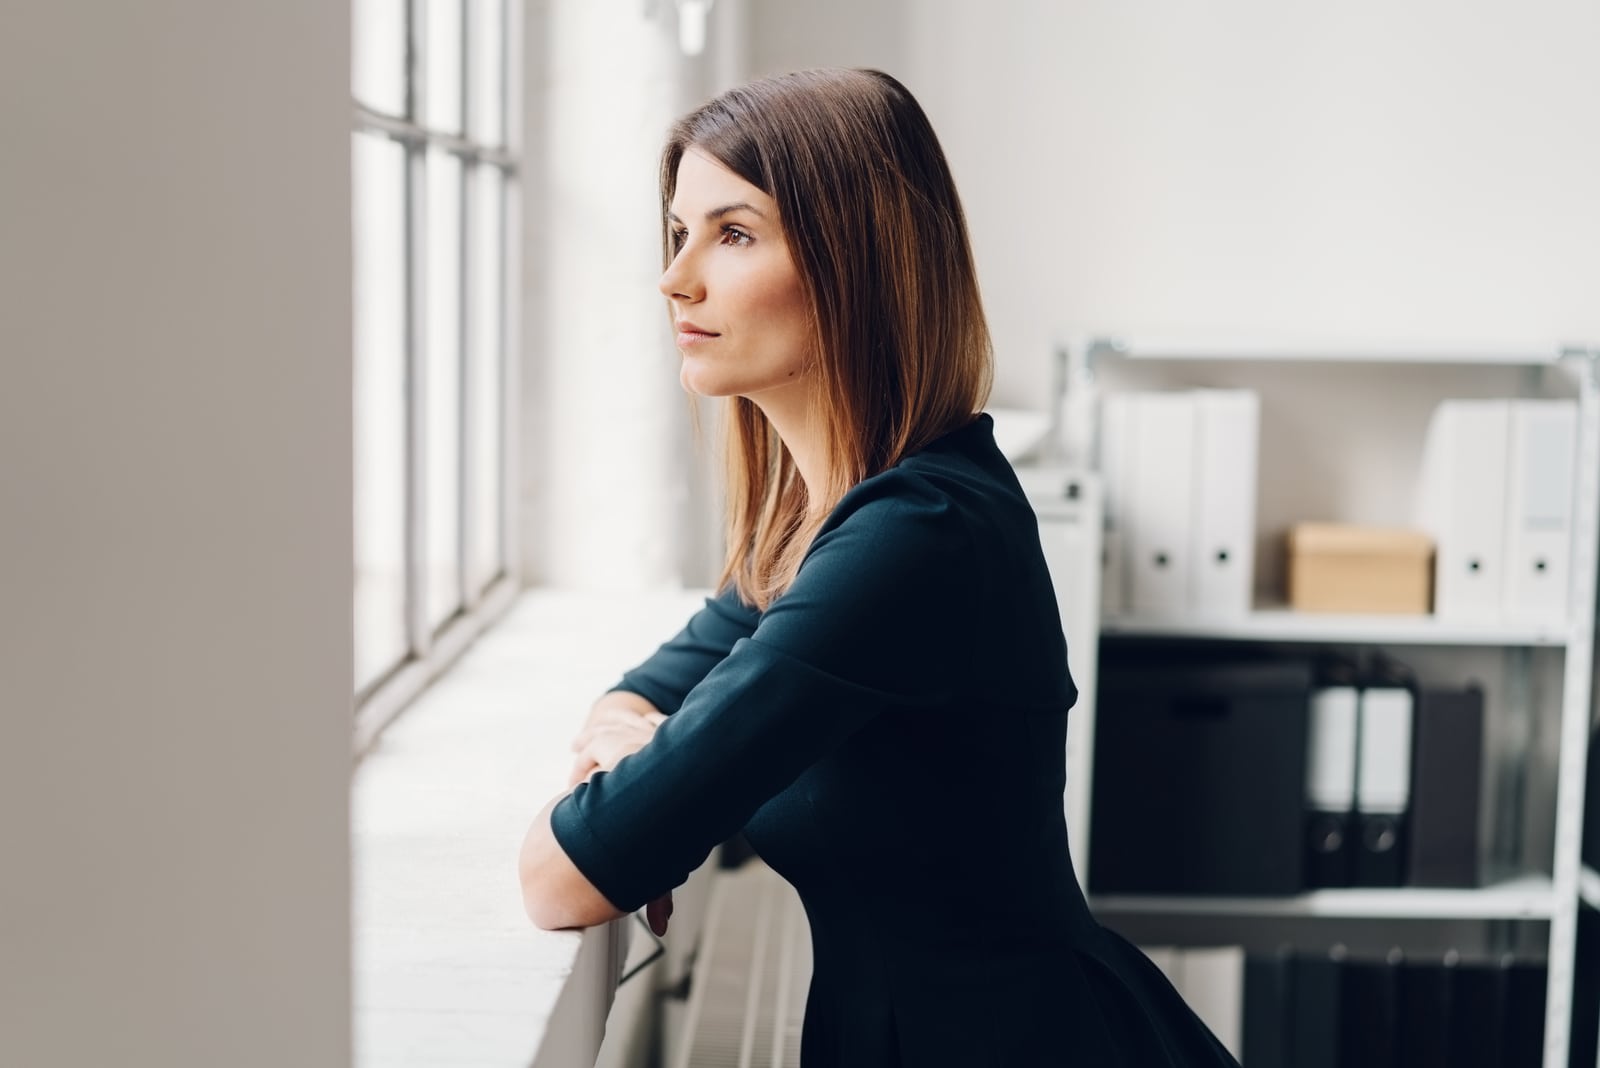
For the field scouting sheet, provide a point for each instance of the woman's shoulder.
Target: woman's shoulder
(959, 477)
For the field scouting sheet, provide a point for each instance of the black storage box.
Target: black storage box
(1199, 775)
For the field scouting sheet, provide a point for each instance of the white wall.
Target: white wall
(608, 459)
(1355, 173)
(175, 453)
(1353, 176)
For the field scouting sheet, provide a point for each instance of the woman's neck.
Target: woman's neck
(794, 414)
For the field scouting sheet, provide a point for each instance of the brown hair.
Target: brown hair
(875, 227)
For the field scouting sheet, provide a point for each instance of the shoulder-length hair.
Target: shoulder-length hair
(900, 345)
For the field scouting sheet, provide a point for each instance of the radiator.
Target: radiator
(747, 995)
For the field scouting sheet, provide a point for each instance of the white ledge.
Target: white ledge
(1527, 897)
(1284, 625)
(448, 970)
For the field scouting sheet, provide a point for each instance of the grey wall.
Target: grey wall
(175, 562)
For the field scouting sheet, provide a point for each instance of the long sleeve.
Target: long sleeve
(666, 678)
(880, 616)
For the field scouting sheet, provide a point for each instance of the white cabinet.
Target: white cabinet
(1342, 438)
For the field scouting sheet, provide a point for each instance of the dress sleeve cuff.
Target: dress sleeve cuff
(590, 856)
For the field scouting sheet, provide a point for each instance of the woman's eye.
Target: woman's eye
(732, 235)
(679, 236)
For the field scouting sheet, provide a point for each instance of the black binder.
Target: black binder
(1315, 1016)
(1425, 1012)
(1199, 776)
(1585, 1033)
(1477, 1015)
(1265, 1039)
(1446, 787)
(1369, 1005)
(1525, 985)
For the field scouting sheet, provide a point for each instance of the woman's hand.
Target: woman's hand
(613, 731)
(620, 724)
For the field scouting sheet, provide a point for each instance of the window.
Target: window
(434, 184)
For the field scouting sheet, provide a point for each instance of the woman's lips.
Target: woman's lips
(689, 334)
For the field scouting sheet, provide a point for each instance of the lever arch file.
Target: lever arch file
(1068, 503)
(1331, 785)
(1383, 785)
(1211, 980)
(1478, 1015)
(1370, 1024)
(1222, 556)
(1525, 986)
(1543, 451)
(1425, 1007)
(1213, 986)
(1160, 512)
(1446, 787)
(1315, 1012)
(1116, 429)
(1464, 477)
(1310, 1010)
(1180, 473)
(1268, 998)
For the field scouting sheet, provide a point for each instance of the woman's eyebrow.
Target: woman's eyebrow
(726, 209)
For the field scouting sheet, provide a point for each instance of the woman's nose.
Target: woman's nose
(680, 281)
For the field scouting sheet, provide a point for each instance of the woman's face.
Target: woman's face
(737, 302)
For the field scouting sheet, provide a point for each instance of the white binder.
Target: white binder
(1116, 417)
(1222, 572)
(1160, 506)
(1466, 465)
(1213, 985)
(1330, 845)
(1210, 979)
(1383, 786)
(1383, 775)
(1331, 750)
(1068, 503)
(1170, 960)
(1543, 453)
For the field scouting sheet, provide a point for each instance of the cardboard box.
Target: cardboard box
(1334, 567)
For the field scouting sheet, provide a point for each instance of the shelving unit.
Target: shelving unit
(1283, 625)
(1589, 886)
(1551, 899)
(1528, 897)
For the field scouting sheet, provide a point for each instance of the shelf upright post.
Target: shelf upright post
(1074, 412)
(1511, 808)
(1578, 664)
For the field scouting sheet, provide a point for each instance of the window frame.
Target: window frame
(431, 651)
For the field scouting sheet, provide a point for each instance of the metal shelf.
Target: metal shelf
(1589, 886)
(1284, 625)
(1535, 898)
(1529, 897)
(1290, 351)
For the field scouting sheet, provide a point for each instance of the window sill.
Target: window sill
(448, 970)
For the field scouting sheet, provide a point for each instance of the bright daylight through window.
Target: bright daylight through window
(434, 173)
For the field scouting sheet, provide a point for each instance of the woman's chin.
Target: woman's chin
(694, 380)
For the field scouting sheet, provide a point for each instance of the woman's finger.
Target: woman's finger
(658, 912)
(582, 768)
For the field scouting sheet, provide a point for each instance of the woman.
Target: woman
(879, 695)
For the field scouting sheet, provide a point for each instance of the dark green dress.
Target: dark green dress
(890, 735)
